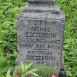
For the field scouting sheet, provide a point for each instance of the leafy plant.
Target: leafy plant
(8, 73)
(25, 70)
(31, 69)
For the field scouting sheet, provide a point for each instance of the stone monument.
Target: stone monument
(40, 33)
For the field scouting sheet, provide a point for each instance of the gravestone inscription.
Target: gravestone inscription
(40, 33)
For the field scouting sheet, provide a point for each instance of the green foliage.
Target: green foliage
(6, 62)
(45, 71)
(8, 73)
(9, 10)
(8, 28)
(25, 70)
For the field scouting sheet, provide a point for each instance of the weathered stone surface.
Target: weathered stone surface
(40, 35)
(40, 0)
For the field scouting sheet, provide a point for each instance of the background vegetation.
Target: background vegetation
(9, 9)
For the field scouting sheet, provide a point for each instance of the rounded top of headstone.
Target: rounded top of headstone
(40, 0)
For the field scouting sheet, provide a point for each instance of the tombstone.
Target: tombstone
(40, 34)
